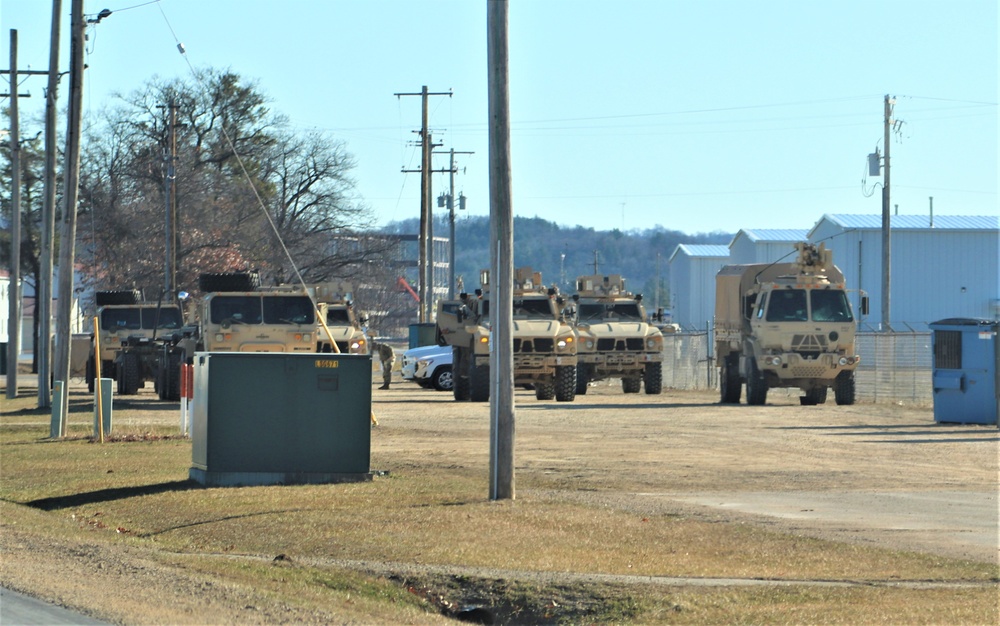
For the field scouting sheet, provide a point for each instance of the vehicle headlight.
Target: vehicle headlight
(772, 360)
(423, 363)
(844, 360)
(590, 344)
(653, 344)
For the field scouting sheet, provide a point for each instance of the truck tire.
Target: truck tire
(442, 380)
(126, 296)
(756, 385)
(130, 375)
(582, 379)
(229, 281)
(631, 384)
(460, 376)
(545, 389)
(730, 385)
(91, 373)
(813, 397)
(565, 383)
(652, 378)
(843, 389)
(479, 382)
(171, 375)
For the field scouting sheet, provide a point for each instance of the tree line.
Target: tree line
(252, 193)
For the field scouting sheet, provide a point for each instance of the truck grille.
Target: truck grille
(534, 345)
(809, 343)
(807, 371)
(609, 345)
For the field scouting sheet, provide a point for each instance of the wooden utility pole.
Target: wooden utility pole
(424, 240)
(886, 221)
(451, 220)
(501, 259)
(170, 193)
(43, 295)
(14, 290)
(71, 172)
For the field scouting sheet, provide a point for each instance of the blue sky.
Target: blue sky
(696, 116)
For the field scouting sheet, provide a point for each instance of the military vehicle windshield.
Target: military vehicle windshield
(532, 308)
(338, 317)
(830, 305)
(136, 318)
(787, 305)
(262, 310)
(616, 311)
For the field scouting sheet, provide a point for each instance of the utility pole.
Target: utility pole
(596, 256)
(450, 203)
(14, 291)
(886, 220)
(501, 257)
(170, 193)
(71, 172)
(43, 295)
(424, 238)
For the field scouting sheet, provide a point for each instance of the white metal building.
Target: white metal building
(941, 267)
(692, 283)
(765, 245)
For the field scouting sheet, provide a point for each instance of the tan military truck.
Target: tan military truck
(615, 338)
(238, 315)
(545, 354)
(130, 335)
(335, 302)
(785, 325)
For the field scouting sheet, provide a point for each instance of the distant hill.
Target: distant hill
(541, 244)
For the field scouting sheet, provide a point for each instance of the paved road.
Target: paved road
(17, 609)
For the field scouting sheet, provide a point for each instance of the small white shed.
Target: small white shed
(692, 283)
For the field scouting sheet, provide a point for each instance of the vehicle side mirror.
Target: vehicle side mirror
(864, 305)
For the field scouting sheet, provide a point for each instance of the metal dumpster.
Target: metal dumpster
(965, 370)
(279, 418)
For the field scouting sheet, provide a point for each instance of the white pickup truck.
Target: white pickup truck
(428, 366)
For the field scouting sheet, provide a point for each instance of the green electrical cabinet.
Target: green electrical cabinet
(279, 418)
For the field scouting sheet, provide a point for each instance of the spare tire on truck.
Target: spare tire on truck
(229, 281)
(126, 296)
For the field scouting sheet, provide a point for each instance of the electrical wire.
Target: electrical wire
(239, 159)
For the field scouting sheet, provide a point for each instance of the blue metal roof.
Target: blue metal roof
(916, 222)
(775, 234)
(703, 250)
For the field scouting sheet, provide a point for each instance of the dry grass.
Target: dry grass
(133, 491)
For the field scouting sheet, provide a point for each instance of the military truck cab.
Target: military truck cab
(545, 353)
(786, 325)
(615, 338)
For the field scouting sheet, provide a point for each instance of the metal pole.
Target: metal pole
(14, 290)
(43, 287)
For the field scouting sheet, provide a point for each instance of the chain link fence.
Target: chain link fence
(895, 366)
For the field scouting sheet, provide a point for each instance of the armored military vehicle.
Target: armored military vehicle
(785, 325)
(545, 355)
(615, 338)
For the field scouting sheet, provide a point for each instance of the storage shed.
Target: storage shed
(765, 245)
(944, 266)
(692, 283)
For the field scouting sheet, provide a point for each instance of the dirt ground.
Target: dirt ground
(880, 475)
(876, 474)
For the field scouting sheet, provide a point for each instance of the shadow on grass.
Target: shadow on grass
(107, 495)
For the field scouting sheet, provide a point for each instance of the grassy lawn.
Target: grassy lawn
(382, 549)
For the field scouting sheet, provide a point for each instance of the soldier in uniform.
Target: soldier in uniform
(386, 356)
